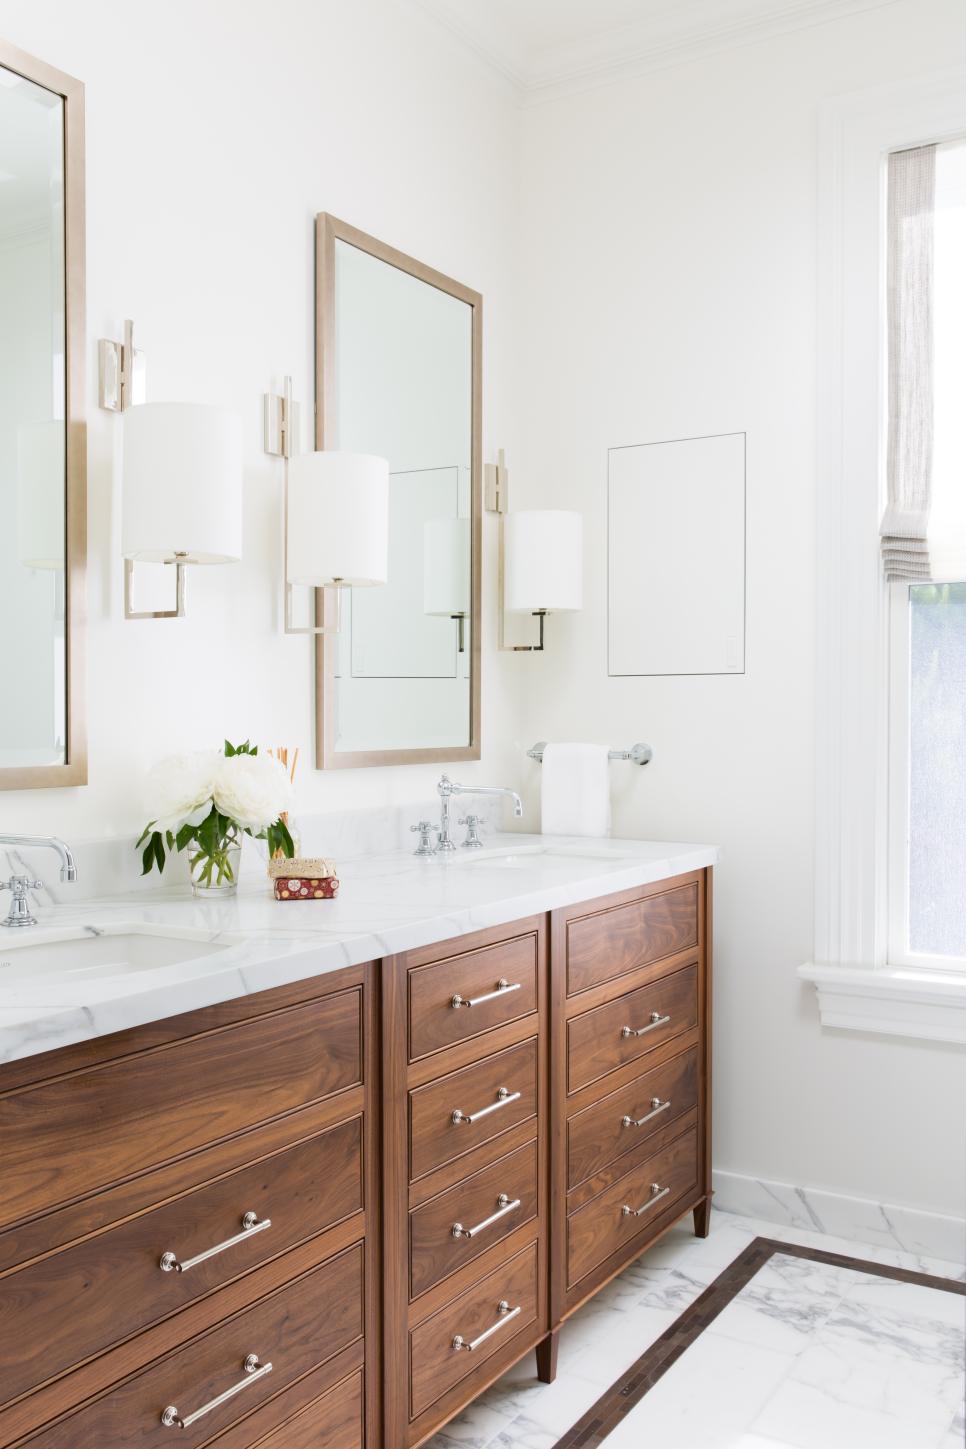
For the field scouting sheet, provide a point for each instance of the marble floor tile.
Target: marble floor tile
(809, 1355)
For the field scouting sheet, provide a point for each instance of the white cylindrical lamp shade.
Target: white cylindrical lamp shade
(543, 560)
(182, 484)
(446, 566)
(338, 519)
(41, 504)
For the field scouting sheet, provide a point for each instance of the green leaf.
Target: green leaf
(144, 835)
(158, 850)
(230, 749)
(147, 859)
(170, 839)
(285, 838)
(184, 836)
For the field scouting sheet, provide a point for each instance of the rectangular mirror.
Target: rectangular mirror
(676, 557)
(42, 434)
(398, 375)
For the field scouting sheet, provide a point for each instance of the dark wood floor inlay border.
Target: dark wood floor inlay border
(624, 1395)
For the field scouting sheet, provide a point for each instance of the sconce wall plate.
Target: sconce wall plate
(121, 372)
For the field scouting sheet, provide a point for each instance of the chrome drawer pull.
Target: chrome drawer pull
(656, 1020)
(503, 1099)
(254, 1371)
(506, 1313)
(501, 989)
(504, 1206)
(657, 1107)
(251, 1224)
(657, 1192)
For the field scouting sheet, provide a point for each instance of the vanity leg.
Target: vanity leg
(547, 1357)
(702, 1218)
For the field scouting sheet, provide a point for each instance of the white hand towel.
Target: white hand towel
(575, 790)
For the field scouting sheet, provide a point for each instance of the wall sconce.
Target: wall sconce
(182, 492)
(336, 514)
(446, 572)
(541, 557)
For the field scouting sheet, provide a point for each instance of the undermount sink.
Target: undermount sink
(84, 953)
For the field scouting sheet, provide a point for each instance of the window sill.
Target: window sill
(928, 1005)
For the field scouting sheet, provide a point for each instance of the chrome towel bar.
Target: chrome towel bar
(638, 754)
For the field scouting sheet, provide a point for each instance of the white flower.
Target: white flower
(252, 790)
(180, 789)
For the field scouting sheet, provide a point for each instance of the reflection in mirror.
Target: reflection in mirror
(398, 378)
(33, 720)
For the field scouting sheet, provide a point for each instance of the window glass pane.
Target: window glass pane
(937, 740)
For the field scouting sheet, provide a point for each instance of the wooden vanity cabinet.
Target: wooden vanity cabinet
(412, 1172)
(250, 1128)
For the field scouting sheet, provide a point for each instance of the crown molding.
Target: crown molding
(675, 38)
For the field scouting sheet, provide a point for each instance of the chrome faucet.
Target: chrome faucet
(448, 788)
(18, 885)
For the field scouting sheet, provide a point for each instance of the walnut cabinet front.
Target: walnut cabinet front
(334, 1212)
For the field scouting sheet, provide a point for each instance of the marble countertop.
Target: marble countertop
(387, 904)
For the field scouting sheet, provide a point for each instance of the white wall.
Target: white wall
(216, 129)
(669, 245)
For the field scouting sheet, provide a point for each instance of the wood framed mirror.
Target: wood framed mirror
(399, 374)
(43, 444)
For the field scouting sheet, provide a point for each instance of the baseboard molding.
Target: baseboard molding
(909, 1230)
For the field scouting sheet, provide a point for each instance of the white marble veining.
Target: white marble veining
(808, 1356)
(388, 903)
(905, 1229)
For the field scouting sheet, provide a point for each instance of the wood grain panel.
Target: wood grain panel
(116, 1275)
(600, 1134)
(288, 1330)
(601, 1228)
(335, 1420)
(435, 1023)
(596, 1043)
(435, 1366)
(434, 1138)
(434, 1252)
(132, 1114)
(612, 942)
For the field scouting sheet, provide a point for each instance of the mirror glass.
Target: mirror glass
(33, 406)
(401, 385)
(676, 557)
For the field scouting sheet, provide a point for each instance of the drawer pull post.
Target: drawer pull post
(506, 1313)
(254, 1370)
(657, 1107)
(656, 1020)
(503, 1099)
(657, 1192)
(504, 1206)
(501, 989)
(251, 1224)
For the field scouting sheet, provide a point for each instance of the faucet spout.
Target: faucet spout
(447, 788)
(68, 870)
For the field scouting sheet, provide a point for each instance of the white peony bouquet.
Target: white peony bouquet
(209, 800)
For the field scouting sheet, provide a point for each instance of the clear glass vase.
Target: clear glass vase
(216, 874)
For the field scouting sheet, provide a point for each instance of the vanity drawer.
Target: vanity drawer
(117, 1274)
(596, 1040)
(496, 1093)
(602, 1227)
(294, 1329)
(617, 940)
(434, 1250)
(464, 996)
(139, 1111)
(435, 1365)
(620, 1121)
(335, 1420)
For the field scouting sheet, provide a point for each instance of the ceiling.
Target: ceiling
(543, 44)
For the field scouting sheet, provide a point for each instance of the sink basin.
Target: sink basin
(78, 954)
